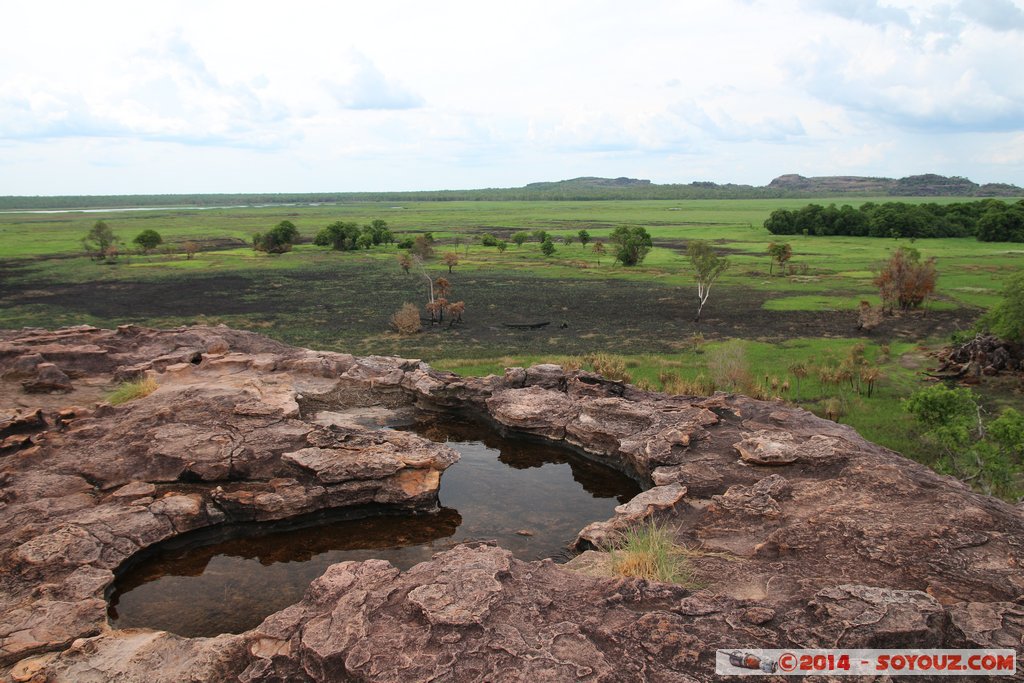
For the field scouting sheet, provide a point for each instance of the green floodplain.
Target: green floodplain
(778, 334)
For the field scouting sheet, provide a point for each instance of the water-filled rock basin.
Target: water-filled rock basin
(531, 498)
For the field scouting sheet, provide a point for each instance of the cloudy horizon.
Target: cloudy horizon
(209, 97)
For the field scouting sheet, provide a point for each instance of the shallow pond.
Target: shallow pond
(530, 498)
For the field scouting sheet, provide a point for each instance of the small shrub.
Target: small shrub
(728, 366)
(650, 552)
(611, 367)
(406, 320)
(833, 409)
(868, 317)
(672, 383)
(572, 364)
(129, 391)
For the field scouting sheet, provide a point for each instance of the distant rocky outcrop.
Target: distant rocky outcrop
(590, 181)
(926, 185)
(802, 534)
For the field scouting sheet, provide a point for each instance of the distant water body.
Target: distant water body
(153, 208)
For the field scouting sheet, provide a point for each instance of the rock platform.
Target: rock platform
(799, 532)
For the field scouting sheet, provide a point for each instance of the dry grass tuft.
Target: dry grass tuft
(129, 391)
(649, 552)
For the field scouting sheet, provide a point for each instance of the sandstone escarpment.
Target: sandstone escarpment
(802, 533)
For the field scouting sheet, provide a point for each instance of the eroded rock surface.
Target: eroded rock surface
(800, 533)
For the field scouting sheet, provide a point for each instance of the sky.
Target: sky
(136, 97)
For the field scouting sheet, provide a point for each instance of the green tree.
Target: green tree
(340, 235)
(379, 232)
(707, 268)
(584, 237)
(780, 252)
(631, 244)
(782, 222)
(988, 456)
(278, 240)
(101, 241)
(1006, 319)
(520, 237)
(547, 247)
(148, 240)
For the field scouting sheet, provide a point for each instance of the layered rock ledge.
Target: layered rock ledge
(802, 534)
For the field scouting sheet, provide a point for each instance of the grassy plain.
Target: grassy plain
(343, 301)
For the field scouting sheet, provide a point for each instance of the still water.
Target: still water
(531, 498)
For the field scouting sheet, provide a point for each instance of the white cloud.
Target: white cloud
(368, 88)
(998, 15)
(340, 96)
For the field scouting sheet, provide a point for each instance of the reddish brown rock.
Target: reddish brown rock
(48, 379)
(798, 532)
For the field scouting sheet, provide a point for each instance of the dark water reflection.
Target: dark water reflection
(531, 498)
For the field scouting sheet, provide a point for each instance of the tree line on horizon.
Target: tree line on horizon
(988, 220)
(578, 189)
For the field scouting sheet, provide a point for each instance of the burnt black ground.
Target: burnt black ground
(347, 305)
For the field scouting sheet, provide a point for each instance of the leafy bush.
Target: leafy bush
(129, 391)
(279, 240)
(547, 247)
(987, 455)
(631, 244)
(148, 239)
(340, 235)
(101, 241)
(1006, 319)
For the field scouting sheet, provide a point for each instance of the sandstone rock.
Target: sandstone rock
(646, 505)
(543, 412)
(761, 499)
(22, 422)
(649, 502)
(26, 365)
(854, 616)
(987, 625)
(834, 551)
(135, 489)
(48, 379)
